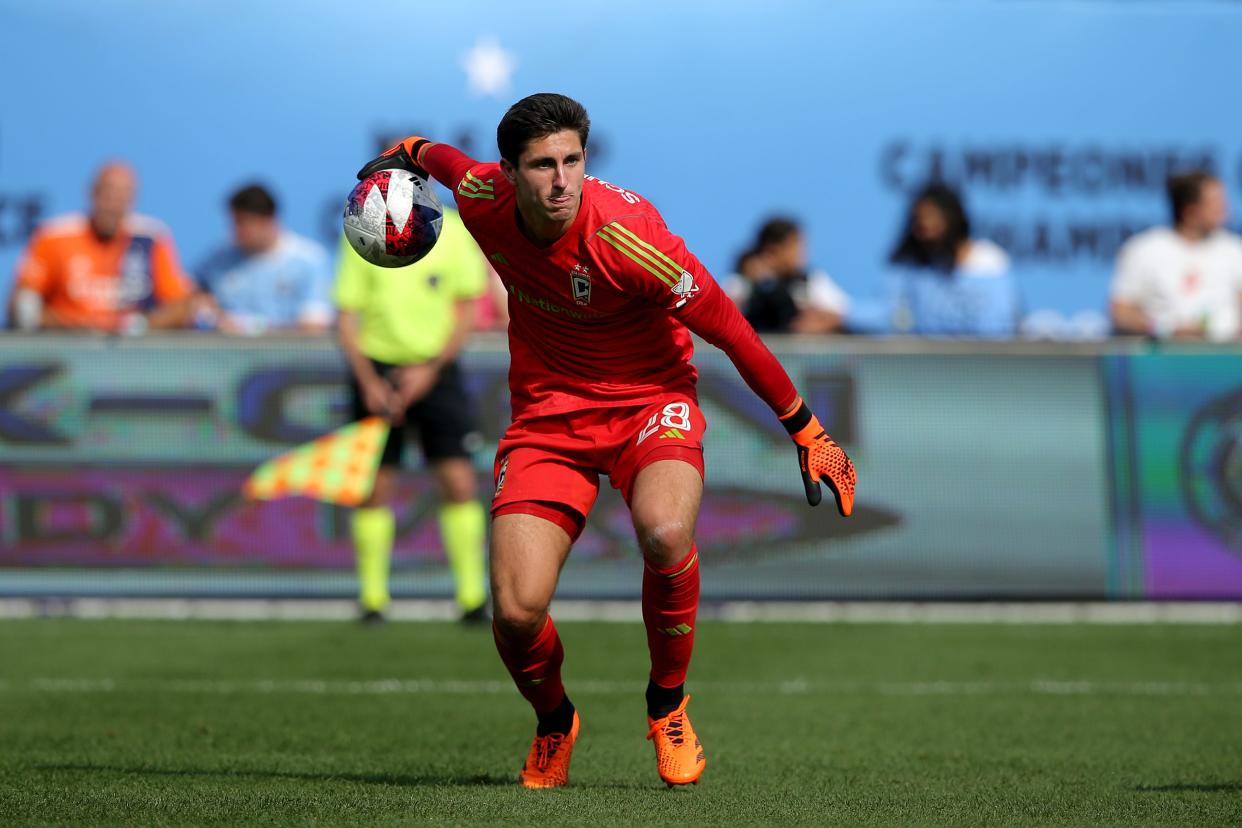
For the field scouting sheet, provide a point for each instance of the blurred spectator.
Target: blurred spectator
(111, 270)
(1182, 281)
(945, 282)
(269, 278)
(776, 292)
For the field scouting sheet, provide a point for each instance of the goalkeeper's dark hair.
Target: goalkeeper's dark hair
(537, 116)
(1185, 190)
(254, 200)
(941, 254)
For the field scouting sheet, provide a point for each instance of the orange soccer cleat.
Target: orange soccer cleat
(547, 764)
(679, 754)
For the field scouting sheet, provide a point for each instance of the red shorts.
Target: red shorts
(549, 466)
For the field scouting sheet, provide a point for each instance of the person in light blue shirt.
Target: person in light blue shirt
(943, 282)
(269, 278)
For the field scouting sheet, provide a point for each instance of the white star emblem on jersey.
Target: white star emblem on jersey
(489, 67)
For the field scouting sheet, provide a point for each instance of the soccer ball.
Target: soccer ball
(393, 218)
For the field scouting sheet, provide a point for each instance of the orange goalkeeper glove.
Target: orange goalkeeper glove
(820, 458)
(402, 155)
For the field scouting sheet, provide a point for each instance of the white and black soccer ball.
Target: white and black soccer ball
(393, 218)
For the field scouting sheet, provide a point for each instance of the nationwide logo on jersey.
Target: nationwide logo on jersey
(550, 307)
(474, 187)
(580, 284)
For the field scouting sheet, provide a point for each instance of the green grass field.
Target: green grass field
(293, 723)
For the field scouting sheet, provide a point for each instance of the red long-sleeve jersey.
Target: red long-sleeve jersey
(600, 316)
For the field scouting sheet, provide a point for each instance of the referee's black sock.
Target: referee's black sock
(663, 700)
(560, 720)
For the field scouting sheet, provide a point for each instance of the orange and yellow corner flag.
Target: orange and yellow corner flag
(336, 468)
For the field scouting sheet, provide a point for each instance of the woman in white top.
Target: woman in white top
(945, 283)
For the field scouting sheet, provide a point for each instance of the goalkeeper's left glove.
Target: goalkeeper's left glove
(820, 458)
(402, 155)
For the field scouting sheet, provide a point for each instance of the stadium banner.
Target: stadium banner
(1180, 489)
(844, 109)
(1024, 472)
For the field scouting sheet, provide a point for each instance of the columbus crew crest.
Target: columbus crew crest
(580, 284)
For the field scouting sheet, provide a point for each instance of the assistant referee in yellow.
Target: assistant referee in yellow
(401, 330)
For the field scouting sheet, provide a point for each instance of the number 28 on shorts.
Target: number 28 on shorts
(675, 417)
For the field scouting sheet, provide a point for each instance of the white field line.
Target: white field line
(286, 609)
(475, 687)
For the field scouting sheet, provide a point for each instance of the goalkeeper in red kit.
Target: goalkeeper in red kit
(602, 301)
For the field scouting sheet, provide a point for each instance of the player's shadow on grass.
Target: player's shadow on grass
(1233, 787)
(370, 778)
(410, 780)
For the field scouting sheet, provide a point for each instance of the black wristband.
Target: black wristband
(798, 420)
(418, 149)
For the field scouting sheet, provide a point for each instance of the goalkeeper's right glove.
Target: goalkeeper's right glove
(402, 155)
(820, 458)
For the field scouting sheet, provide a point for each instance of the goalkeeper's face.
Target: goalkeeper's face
(548, 179)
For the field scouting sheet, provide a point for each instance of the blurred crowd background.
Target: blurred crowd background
(970, 168)
(913, 191)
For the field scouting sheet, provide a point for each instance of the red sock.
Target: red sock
(535, 665)
(670, 604)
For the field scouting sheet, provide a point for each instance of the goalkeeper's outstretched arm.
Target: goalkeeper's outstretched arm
(424, 157)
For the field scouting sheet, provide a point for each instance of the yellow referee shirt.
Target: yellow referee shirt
(406, 314)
